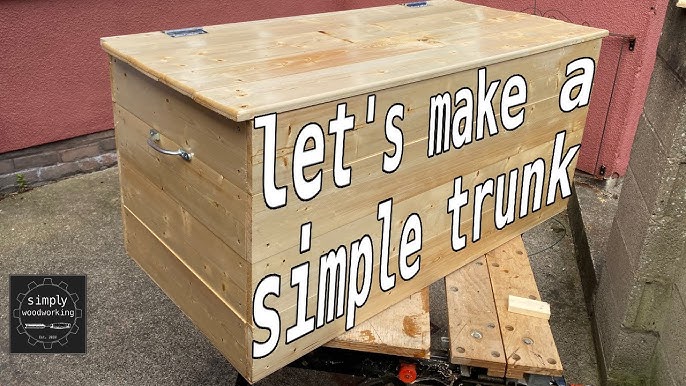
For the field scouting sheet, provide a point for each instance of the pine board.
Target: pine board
(212, 316)
(384, 47)
(528, 340)
(475, 338)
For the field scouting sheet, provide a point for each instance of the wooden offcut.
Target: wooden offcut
(530, 307)
(202, 229)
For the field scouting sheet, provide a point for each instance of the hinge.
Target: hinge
(417, 4)
(175, 33)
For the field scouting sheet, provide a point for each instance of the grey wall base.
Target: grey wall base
(38, 165)
(636, 281)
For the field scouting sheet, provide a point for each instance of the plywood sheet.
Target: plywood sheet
(403, 329)
(475, 338)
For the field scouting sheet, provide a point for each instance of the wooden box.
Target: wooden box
(326, 172)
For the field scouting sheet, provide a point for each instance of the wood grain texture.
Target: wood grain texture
(429, 202)
(215, 140)
(312, 58)
(214, 262)
(530, 307)
(528, 341)
(368, 141)
(437, 259)
(403, 329)
(212, 316)
(475, 338)
(416, 175)
(213, 200)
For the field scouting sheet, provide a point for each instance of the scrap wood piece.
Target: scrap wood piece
(475, 338)
(526, 306)
(528, 341)
(403, 329)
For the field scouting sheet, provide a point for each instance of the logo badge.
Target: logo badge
(48, 314)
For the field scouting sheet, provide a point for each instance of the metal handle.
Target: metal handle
(155, 137)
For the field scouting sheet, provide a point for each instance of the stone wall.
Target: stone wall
(639, 303)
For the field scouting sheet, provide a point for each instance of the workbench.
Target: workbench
(487, 344)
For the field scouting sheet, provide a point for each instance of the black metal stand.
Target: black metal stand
(380, 369)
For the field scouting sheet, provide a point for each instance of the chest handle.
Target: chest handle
(155, 137)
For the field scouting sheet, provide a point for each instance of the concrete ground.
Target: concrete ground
(137, 336)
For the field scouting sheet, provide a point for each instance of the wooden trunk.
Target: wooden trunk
(214, 231)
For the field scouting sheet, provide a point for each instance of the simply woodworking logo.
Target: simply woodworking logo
(47, 314)
(483, 201)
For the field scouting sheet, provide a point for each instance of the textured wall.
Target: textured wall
(609, 144)
(666, 108)
(54, 82)
(639, 305)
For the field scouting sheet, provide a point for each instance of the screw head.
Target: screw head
(476, 334)
(528, 341)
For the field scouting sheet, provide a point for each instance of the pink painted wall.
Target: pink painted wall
(616, 103)
(54, 82)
